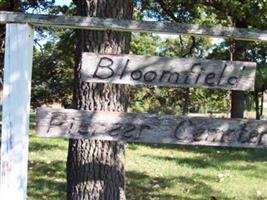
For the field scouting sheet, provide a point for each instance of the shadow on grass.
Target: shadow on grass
(216, 158)
(140, 186)
(47, 180)
(222, 153)
(216, 162)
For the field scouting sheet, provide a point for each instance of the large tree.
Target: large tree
(238, 13)
(95, 169)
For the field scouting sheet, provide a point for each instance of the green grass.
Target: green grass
(47, 178)
(160, 172)
(190, 173)
(165, 172)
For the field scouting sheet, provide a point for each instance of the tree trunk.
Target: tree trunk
(238, 97)
(262, 101)
(185, 102)
(257, 106)
(237, 104)
(95, 169)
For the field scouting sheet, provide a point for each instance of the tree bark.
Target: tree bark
(262, 101)
(185, 101)
(95, 169)
(237, 104)
(257, 106)
(238, 97)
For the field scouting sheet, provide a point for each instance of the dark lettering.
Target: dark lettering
(199, 73)
(70, 128)
(101, 66)
(114, 129)
(124, 69)
(221, 75)
(150, 76)
(130, 128)
(93, 133)
(186, 79)
(136, 75)
(242, 69)
(83, 129)
(171, 75)
(198, 76)
(58, 119)
(142, 127)
(232, 80)
(209, 80)
(184, 130)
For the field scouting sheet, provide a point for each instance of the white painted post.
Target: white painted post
(16, 106)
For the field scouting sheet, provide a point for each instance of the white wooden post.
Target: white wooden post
(16, 104)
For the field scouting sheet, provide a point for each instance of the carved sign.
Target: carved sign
(164, 71)
(151, 128)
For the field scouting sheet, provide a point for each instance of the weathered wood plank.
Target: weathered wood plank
(151, 128)
(133, 26)
(164, 71)
(16, 107)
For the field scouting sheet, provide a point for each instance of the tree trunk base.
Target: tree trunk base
(99, 168)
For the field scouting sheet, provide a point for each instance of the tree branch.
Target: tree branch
(191, 48)
(174, 18)
(167, 10)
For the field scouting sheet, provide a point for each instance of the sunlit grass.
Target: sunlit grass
(47, 177)
(175, 172)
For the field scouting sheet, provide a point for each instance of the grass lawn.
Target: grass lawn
(160, 172)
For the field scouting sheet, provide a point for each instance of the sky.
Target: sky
(162, 36)
(63, 2)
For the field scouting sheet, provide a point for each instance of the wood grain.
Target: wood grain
(151, 128)
(94, 23)
(16, 109)
(170, 72)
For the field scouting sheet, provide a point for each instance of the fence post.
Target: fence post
(16, 107)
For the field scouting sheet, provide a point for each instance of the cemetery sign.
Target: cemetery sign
(165, 71)
(150, 128)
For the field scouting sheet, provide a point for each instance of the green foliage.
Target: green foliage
(53, 63)
(186, 46)
(53, 71)
(209, 100)
(152, 99)
(156, 100)
(261, 78)
(53, 54)
(169, 100)
(144, 44)
(26, 5)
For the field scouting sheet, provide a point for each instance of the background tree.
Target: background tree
(21, 6)
(53, 70)
(240, 14)
(95, 169)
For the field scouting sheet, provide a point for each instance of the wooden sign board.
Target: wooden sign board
(95, 23)
(150, 128)
(164, 71)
